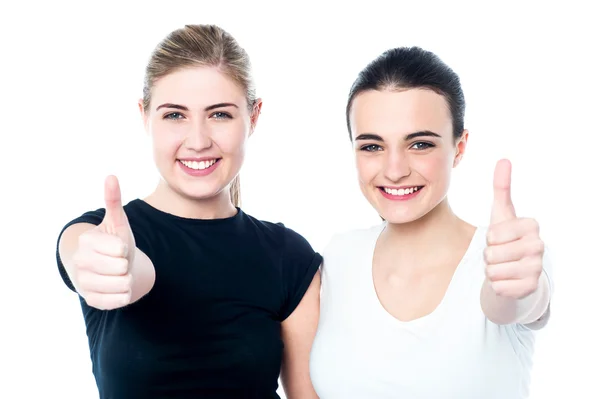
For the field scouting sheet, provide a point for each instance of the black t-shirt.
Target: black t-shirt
(210, 326)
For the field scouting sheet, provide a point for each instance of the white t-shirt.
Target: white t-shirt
(363, 352)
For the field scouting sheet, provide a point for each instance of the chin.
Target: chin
(400, 212)
(201, 193)
(401, 216)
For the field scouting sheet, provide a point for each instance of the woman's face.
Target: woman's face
(199, 122)
(405, 151)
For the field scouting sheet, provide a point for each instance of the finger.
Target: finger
(512, 230)
(101, 264)
(504, 271)
(89, 281)
(107, 301)
(104, 244)
(502, 206)
(517, 289)
(513, 251)
(115, 214)
(522, 269)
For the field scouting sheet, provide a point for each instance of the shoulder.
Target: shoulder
(277, 234)
(353, 240)
(292, 246)
(346, 250)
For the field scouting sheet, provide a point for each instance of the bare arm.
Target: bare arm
(139, 276)
(506, 310)
(298, 332)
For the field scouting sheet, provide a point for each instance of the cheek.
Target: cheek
(368, 167)
(230, 141)
(164, 143)
(435, 167)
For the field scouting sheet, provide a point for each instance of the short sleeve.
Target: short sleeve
(92, 217)
(300, 263)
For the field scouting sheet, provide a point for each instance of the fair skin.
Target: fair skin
(403, 140)
(197, 118)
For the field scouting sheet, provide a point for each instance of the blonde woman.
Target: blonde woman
(184, 295)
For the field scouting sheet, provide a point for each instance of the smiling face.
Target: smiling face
(199, 121)
(404, 151)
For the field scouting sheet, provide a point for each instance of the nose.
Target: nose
(397, 166)
(198, 137)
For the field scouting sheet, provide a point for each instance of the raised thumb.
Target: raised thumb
(115, 214)
(502, 207)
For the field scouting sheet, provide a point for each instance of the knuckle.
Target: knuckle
(119, 245)
(537, 247)
(125, 283)
(126, 299)
(533, 225)
(129, 281)
(124, 248)
(491, 273)
(497, 288)
(491, 234)
(536, 265)
(94, 300)
(82, 280)
(488, 255)
(122, 265)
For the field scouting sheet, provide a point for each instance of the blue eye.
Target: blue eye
(371, 148)
(421, 145)
(221, 115)
(173, 115)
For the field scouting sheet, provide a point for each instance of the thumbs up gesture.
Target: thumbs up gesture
(514, 250)
(104, 256)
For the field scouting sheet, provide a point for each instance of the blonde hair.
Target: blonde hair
(202, 45)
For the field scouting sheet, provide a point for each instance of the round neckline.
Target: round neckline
(374, 297)
(149, 208)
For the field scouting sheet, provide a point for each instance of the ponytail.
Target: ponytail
(234, 192)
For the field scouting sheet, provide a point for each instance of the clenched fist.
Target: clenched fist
(101, 264)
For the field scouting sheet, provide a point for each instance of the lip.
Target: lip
(400, 187)
(405, 197)
(201, 172)
(192, 159)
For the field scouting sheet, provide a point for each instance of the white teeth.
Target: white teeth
(199, 165)
(401, 191)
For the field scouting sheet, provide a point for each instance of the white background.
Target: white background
(71, 77)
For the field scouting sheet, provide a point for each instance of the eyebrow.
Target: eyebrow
(410, 136)
(184, 108)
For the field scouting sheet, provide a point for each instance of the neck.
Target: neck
(437, 226)
(168, 200)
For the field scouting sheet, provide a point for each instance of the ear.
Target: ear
(143, 114)
(461, 146)
(255, 114)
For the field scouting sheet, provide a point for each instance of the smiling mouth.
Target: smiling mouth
(400, 191)
(200, 165)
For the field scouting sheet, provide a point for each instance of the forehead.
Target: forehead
(197, 87)
(390, 113)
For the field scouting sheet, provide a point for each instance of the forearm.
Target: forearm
(503, 310)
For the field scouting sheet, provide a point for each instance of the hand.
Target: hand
(514, 249)
(105, 254)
